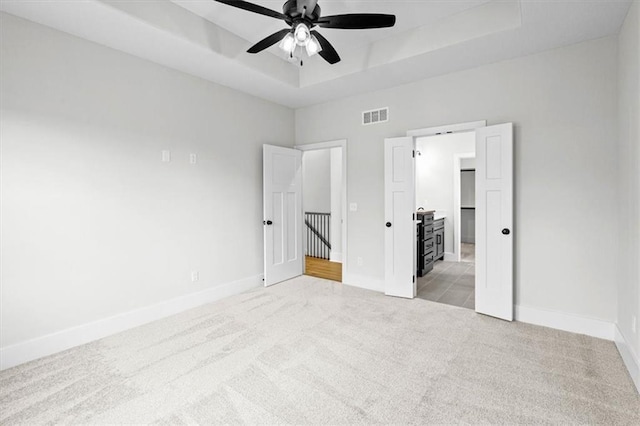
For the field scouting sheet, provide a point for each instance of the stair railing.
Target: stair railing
(318, 234)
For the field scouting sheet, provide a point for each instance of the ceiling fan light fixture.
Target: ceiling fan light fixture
(302, 35)
(303, 15)
(288, 43)
(313, 46)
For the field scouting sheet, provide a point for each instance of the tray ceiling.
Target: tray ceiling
(431, 37)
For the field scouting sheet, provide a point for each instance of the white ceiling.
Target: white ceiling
(254, 27)
(431, 37)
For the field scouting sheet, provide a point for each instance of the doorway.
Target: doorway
(468, 209)
(445, 199)
(493, 211)
(323, 201)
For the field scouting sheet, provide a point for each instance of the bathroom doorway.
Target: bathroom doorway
(445, 198)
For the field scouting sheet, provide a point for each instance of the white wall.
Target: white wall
(564, 106)
(468, 188)
(434, 176)
(316, 178)
(336, 204)
(629, 186)
(93, 223)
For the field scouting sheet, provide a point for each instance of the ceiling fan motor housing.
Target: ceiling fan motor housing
(290, 9)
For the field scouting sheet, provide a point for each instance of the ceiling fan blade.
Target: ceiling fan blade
(268, 41)
(328, 53)
(254, 8)
(357, 21)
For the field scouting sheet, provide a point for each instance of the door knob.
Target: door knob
(268, 222)
(388, 224)
(506, 231)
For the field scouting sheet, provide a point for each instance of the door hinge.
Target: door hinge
(413, 154)
(413, 216)
(414, 278)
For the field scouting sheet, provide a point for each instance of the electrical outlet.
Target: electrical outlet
(353, 207)
(193, 158)
(360, 261)
(634, 324)
(195, 276)
(166, 156)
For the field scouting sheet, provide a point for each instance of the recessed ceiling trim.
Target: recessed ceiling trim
(179, 22)
(147, 30)
(489, 18)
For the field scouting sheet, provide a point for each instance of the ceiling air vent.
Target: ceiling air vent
(375, 116)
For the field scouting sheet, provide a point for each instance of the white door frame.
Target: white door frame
(450, 128)
(340, 143)
(457, 208)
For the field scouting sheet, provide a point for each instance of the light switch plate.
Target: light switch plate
(166, 156)
(353, 207)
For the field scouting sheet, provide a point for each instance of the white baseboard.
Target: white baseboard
(29, 350)
(335, 257)
(630, 358)
(450, 257)
(567, 322)
(367, 283)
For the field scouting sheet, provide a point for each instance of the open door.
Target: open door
(400, 228)
(282, 192)
(494, 221)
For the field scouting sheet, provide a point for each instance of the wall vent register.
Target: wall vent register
(375, 116)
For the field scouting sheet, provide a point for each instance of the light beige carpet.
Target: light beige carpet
(313, 351)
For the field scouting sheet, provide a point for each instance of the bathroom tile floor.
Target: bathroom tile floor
(451, 283)
(468, 252)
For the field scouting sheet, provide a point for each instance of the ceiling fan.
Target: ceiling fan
(302, 16)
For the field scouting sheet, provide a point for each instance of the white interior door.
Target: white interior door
(282, 192)
(400, 229)
(494, 221)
